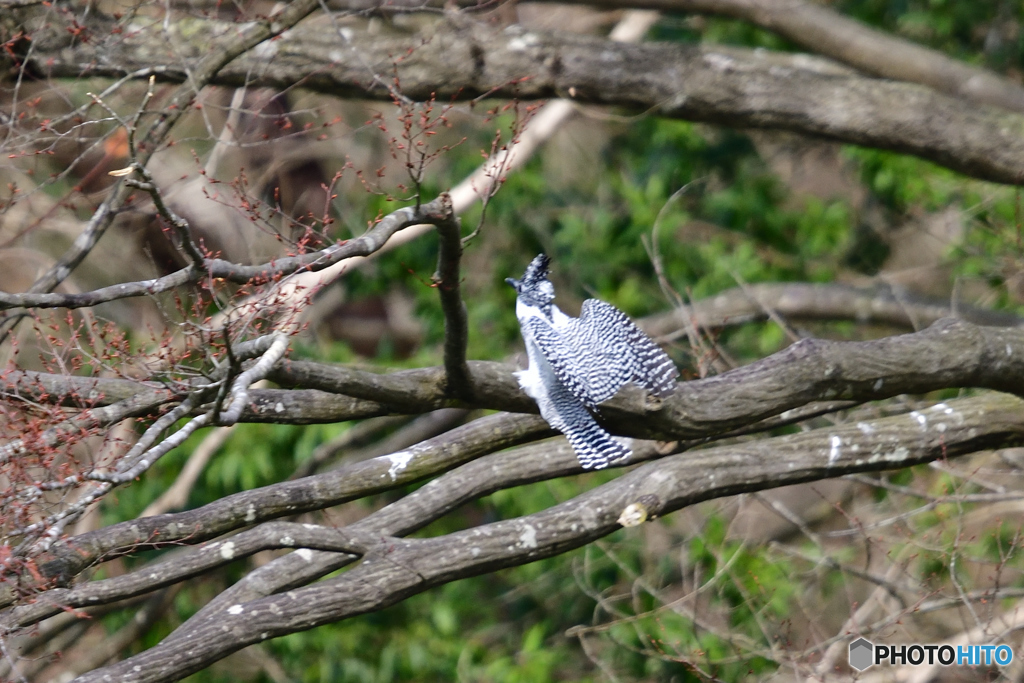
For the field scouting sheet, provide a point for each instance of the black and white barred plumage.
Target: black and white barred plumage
(577, 363)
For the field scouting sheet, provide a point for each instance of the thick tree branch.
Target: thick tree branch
(726, 86)
(951, 353)
(815, 27)
(399, 571)
(301, 495)
(479, 477)
(179, 567)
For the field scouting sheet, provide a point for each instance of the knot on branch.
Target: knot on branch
(646, 507)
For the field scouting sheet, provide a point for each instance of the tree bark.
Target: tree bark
(724, 86)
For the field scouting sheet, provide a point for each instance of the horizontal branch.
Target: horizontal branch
(66, 558)
(801, 301)
(951, 353)
(479, 477)
(178, 567)
(388, 575)
(724, 86)
(815, 27)
(437, 211)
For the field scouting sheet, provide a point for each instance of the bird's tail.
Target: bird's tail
(595, 448)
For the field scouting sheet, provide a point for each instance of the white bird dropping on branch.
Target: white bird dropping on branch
(577, 363)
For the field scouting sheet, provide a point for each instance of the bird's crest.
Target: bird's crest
(536, 271)
(535, 288)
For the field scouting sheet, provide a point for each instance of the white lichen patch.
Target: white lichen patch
(528, 539)
(720, 62)
(865, 428)
(399, 461)
(266, 50)
(834, 452)
(305, 553)
(227, 551)
(878, 384)
(287, 540)
(235, 609)
(523, 42)
(898, 455)
(920, 418)
(250, 513)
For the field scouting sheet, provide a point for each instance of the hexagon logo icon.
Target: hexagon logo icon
(861, 654)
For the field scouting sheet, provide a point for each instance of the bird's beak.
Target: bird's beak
(514, 282)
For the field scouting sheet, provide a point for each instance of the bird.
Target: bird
(577, 363)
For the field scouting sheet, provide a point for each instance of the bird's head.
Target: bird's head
(535, 288)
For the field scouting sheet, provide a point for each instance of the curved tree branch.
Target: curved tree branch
(719, 85)
(67, 558)
(803, 301)
(215, 57)
(432, 213)
(949, 354)
(394, 572)
(815, 27)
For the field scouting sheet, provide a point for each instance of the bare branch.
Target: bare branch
(431, 213)
(180, 567)
(216, 55)
(240, 387)
(182, 229)
(951, 353)
(311, 493)
(725, 86)
(456, 327)
(815, 27)
(802, 301)
(667, 485)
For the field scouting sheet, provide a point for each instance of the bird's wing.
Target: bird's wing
(561, 356)
(618, 352)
